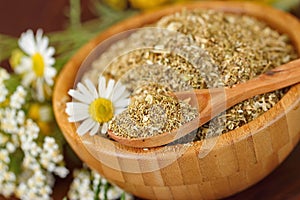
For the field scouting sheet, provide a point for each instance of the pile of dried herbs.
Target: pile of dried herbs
(201, 49)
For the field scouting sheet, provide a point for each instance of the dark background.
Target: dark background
(16, 16)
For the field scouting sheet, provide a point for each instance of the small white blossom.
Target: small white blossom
(10, 147)
(4, 156)
(50, 157)
(8, 189)
(7, 178)
(80, 187)
(8, 122)
(20, 117)
(3, 92)
(17, 99)
(112, 193)
(4, 75)
(35, 187)
(85, 178)
(61, 171)
(3, 139)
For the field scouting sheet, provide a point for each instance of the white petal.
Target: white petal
(118, 92)
(43, 44)
(51, 71)
(77, 105)
(50, 52)
(73, 109)
(25, 65)
(27, 42)
(109, 89)
(49, 61)
(85, 126)
(85, 91)
(119, 110)
(40, 90)
(49, 81)
(80, 97)
(101, 86)
(95, 129)
(77, 118)
(39, 35)
(28, 78)
(49, 74)
(126, 94)
(77, 115)
(104, 128)
(122, 103)
(84, 114)
(91, 87)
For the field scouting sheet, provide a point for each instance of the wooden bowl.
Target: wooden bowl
(237, 160)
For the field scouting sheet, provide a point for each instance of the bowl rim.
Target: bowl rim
(288, 101)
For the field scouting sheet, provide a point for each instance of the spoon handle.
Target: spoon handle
(280, 77)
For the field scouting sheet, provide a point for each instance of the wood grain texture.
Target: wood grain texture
(165, 173)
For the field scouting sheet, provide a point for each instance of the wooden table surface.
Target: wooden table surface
(283, 183)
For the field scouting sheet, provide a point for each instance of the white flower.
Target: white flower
(35, 187)
(8, 122)
(3, 92)
(4, 156)
(37, 65)
(80, 187)
(7, 182)
(111, 193)
(10, 147)
(17, 99)
(20, 118)
(4, 75)
(95, 108)
(61, 171)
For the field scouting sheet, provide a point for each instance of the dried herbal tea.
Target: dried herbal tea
(152, 111)
(198, 49)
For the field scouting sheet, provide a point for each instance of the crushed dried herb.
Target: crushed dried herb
(200, 49)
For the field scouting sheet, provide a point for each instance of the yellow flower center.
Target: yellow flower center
(101, 110)
(38, 64)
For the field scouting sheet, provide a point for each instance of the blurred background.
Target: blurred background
(52, 15)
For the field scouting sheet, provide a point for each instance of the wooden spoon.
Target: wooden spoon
(212, 102)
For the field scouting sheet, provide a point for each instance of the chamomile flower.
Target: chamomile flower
(95, 108)
(37, 65)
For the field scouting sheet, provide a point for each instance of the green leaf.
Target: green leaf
(123, 196)
(16, 159)
(285, 4)
(75, 13)
(7, 45)
(97, 192)
(12, 83)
